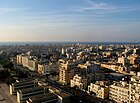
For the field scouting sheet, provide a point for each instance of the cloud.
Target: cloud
(102, 6)
(94, 6)
(11, 10)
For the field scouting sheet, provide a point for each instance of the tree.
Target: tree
(4, 74)
(8, 64)
(10, 80)
(22, 75)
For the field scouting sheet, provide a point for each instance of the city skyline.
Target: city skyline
(73, 20)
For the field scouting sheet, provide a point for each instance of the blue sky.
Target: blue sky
(70, 20)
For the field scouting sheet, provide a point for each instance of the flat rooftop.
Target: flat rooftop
(23, 83)
(62, 94)
(30, 90)
(43, 98)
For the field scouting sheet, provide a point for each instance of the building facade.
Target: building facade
(79, 81)
(119, 92)
(66, 71)
(98, 90)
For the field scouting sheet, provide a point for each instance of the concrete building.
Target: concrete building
(106, 54)
(14, 87)
(134, 59)
(119, 92)
(19, 59)
(63, 97)
(134, 88)
(66, 71)
(24, 94)
(25, 61)
(79, 81)
(121, 60)
(42, 68)
(44, 98)
(32, 65)
(99, 89)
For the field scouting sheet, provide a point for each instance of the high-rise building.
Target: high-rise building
(66, 71)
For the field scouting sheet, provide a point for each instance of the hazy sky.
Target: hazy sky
(70, 20)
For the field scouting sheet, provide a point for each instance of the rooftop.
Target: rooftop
(62, 94)
(30, 90)
(23, 83)
(43, 98)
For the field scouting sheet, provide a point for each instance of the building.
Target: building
(134, 59)
(121, 60)
(66, 71)
(79, 81)
(43, 98)
(14, 87)
(19, 59)
(99, 89)
(63, 97)
(32, 65)
(119, 92)
(134, 88)
(42, 68)
(106, 54)
(25, 61)
(24, 94)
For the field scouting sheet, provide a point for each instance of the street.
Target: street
(5, 97)
(4, 91)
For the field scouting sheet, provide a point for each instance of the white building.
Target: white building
(79, 81)
(134, 87)
(119, 92)
(99, 90)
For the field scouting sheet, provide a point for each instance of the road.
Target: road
(5, 89)
(4, 95)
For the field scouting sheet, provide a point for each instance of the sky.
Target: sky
(70, 20)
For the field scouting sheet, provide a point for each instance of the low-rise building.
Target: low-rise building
(19, 59)
(32, 65)
(119, 92)
(14, 87)
(134, 87)
(24, 94)
(42, 68)
(79, 81)
(99, 89)
(25, 60)
(63, 97)
(44, 98)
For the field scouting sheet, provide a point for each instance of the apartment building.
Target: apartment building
(66, 71)
(119, 92)
(99, 89)
(32, 65)
(19, 59)
(25, 61)
(134, 88)
(42, 69)
(79, 81)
